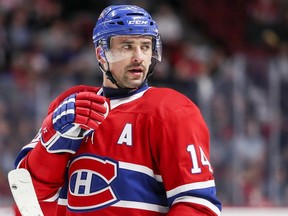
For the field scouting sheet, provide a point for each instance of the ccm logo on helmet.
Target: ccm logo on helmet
(138, 22)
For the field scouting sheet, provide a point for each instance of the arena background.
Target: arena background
(229, 57)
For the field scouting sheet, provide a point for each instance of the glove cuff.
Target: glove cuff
(63, 145)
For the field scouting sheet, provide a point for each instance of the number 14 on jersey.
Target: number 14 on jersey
(195, 156)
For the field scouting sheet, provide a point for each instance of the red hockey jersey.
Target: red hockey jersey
(149, 157)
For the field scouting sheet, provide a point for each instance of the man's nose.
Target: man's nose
(137, 55)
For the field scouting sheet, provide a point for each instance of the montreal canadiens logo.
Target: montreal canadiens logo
(90, 181)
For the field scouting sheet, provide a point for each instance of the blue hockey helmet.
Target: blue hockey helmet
(119, 20)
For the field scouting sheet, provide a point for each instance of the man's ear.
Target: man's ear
(100, 55)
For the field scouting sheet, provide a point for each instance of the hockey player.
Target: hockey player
(124, 148)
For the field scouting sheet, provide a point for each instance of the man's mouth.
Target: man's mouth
(136, 70)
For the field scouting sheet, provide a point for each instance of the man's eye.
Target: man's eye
(125, 47)
(146, 47)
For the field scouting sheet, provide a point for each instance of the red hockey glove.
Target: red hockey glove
(75, 118)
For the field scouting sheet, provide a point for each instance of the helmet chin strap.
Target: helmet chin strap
(109, 76)
(114, 81)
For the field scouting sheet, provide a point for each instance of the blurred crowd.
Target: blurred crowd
(229, 57)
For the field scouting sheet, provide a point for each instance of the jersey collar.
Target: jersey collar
(113, 93)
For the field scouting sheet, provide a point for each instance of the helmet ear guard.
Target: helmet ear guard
(101, 52)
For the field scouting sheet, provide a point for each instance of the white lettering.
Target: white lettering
(138, 22)
(126, 135)
(204, 161)
(195, 165)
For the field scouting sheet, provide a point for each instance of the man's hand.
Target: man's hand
(75, 118)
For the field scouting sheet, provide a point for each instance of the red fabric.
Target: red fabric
(161, 132)
(48, 208)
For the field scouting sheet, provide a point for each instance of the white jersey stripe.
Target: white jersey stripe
(62, 202)
(192, 186)
(53, 198)
(143, 206)
(199, 201)
(140, 168)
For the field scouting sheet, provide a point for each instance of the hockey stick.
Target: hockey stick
(23, 192)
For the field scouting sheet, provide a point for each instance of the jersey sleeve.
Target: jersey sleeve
(47, 170)
(181, 151)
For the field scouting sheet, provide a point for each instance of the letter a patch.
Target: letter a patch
(126, 135)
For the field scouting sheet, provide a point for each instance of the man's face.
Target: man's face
(129, 59)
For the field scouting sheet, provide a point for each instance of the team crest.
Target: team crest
(90, 181)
